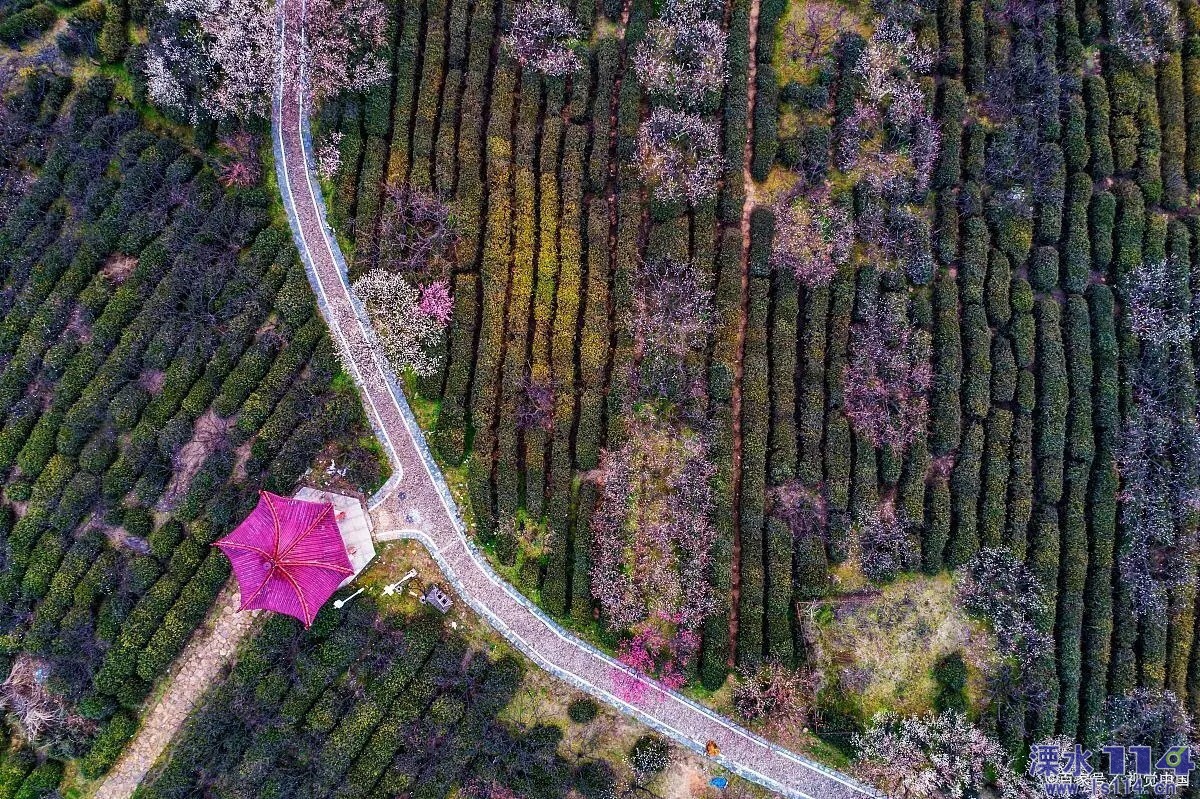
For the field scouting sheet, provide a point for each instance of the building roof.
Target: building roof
(438, 598)
(288, 556)
(353, 523)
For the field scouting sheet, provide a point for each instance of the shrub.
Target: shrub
(649, 755)
(582, 711)
(595, 779)
(108, 744)
(950, 674)
(27, 24)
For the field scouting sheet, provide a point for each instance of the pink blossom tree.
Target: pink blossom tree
(437, 302)
(239, 164)
(341, 49)
(678, 155)
(212, 58)
(887, 382)
(545, 37)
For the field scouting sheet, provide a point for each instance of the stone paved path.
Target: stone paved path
(418, 505)
(212, 648)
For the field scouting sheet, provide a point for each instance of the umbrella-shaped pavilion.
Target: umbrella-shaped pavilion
(288, 556)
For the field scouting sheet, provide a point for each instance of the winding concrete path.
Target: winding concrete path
(417, 504)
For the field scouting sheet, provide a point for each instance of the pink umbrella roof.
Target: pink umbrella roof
(288, 556)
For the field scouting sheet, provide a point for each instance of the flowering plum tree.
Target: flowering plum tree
(535, 407)
(340, 49)
(1152, 717)
(809, 41)
(1159, 463)
(1156, 308)
(239, 165)
(544, 36)
(801, 508)
(437, 302)
(679, 155)
(652, 543)
(889, 142)
(406, 333)
(885, 547)
(1000, 588)
(329, 155)
(682, 57)
(649, 756)
(813, 237)
(219, 59)
(887, 381)
(934, 756)
(669, 318)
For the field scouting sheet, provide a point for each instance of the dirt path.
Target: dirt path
(739, 368)
(200, 665)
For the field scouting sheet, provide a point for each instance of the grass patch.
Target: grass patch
(878, 650)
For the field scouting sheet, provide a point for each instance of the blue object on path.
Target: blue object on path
(719, 782)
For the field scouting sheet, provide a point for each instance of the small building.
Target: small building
(435, 596)
(353, 523)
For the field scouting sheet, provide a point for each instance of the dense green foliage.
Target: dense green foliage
(162, 362)
(1060, 164)
(367, 705)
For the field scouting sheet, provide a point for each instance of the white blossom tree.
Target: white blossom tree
(1002, 589)
(406, 333)
(544, 36)
(885, 547)
(1142, 30)
(942, 756)
(682, 57)
(1153, 717)
(1159, 307)
(813, 237)
(679, 155)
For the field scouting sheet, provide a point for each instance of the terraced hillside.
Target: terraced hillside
(554, 223)
(1015, 236)
(162, 361)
